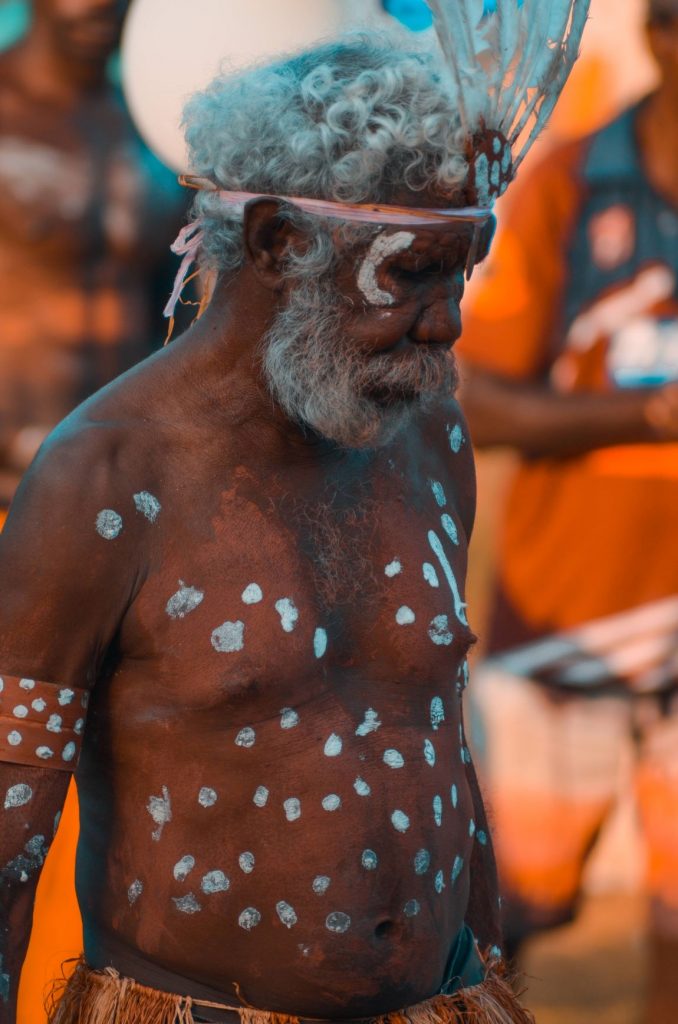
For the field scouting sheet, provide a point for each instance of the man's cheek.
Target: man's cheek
(382, 328)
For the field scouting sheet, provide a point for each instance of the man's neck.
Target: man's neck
(47, 75)
(658, 136)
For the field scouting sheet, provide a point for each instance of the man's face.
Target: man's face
(83, 30)
(355, 354)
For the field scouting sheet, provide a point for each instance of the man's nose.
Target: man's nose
(440, 316)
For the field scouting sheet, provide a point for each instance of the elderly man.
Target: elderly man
(253, 574)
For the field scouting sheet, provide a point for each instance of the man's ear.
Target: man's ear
(268, 238)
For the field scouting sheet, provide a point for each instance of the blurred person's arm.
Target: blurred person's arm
(64, 591)
(511, 335)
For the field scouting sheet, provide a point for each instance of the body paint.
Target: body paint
(439, 882)
(183, 868)
(286, 913)
(422, 862)
(288, 613)
(207, 797)
(160, 809)
(429, 753)
(450, 527)
(260, 798)
(394, 759)
(292, 808)
(246, 862)
(393, 568)
(338, 922)
(370, 723)
(361, 787)
(439, 551)
(288, 718)
(333, 746)
(383, 246)
(246, 738)
(456, 437)
(148, 505)
(319, 642)
(135, 890)
(187, 904)
(249, 918)
(229, 637)
(438, 810)
(331, 802)
(400, 821)
(108, 524)
(252, 594)
(215, 881)
(18, 796)
(321, 884)
(405, 616)
(437, 712)
(369, 860)
(457, 868)
(411, 908)
(439, 631)
(438, 493)
(184, 601)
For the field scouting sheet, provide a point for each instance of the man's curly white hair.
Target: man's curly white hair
(360, 120)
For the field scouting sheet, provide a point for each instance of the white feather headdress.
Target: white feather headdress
(508, 62)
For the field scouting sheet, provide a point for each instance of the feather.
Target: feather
(508, 65)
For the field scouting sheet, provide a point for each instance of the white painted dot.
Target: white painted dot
(246, 862)
(207, 797)
(369, 860)
(456, 437)
(320, 642)
(411, 908)
(481, 837)
(457, 868)
(252, 594)
(465, 755)
(471, 828)
(393, 568)
(430, 575)
(135, 890)
(370, 723)
(260, 798)
(215, 881)
(229, 637)
(66, 696)
(422, 862)
(437, 712)
(321, 884)
(288, 613)
(38, 704)
(288, 718)
(183, 867)
(438, 493)
(292, 808)
(439, 882)
(286, 913)
(249, 918)
(57, 819)
(54, 723)
(108, 524)
(18, 796)
(333, 746)
(361, 787)
(14, 738)
(454, 795)
(20, 711)
(148, 505)
(79, 727)
(438, 810)
(338, 922)
(246, 738)
(439, 631)
(27, 684)
(400, 821)
(44, 753)
(405, 616)
(331, 802)
(2, 684)
(394, 759)
(68, 753)
(185, 601)
(450, 528)
(187, 904)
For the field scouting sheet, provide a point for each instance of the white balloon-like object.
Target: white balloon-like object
(171, 48)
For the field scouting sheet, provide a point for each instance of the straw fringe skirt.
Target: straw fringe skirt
(103, 997)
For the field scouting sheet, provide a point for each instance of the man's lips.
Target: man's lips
(407, 343)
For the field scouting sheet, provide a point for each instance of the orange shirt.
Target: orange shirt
(582, 294)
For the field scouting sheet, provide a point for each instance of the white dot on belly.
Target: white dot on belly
(361, 787)
(331, 802)
(246, 737)
(437, 712)
(292, 808)
(439, 882)
(260, 797)
(187, 904)
(321, 884)
(288, 718)
(429, 753)
(438, 810)
(207, 797)
(393, 568)
(252, 594)
(369, 860)
(471, 827)
(394, 759)
(20, 711)
(333, 746)
(369, 724)
(422, 862)
(229, 637)
(286, 913)
(249, 918)
(246, 862)
(108, 524)
(454, 795)
(439, 631)
(457, 868)
(411, 908)
(14, 738)
(183, 867)
(288, 613)
(215, 881)
(405, 616)
(338, 922)
(400, 821)
(135, 890)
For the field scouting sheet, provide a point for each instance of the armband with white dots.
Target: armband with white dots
(41, 724)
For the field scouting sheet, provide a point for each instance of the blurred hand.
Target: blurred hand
(661, 411)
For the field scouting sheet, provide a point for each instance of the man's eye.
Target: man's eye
(416, 273)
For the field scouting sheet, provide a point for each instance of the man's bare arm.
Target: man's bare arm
(538, 421)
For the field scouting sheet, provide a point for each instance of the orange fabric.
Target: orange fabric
(585, 537)
(57, 928)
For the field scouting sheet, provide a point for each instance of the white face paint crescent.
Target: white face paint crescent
(382, 247)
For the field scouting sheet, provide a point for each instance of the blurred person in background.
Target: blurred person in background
(86, 218)
(571, 358)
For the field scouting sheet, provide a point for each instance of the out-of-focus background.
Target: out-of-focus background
(592, 970)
